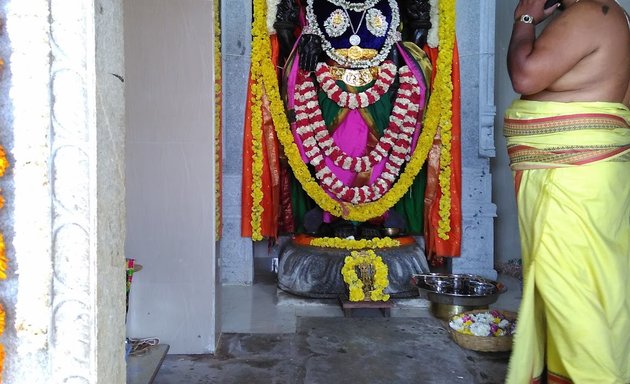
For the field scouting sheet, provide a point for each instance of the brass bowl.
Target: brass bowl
(457, 293)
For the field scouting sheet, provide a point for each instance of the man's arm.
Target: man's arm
(536, 63)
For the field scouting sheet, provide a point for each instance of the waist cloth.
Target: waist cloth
(571, 166)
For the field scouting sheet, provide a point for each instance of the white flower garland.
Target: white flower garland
(311, 128)
(433, 38)
(272, 10)
(344, 99)
(400, 132)
(357, 7)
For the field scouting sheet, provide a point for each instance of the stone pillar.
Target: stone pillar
(237, 253)
(475, 34)
(66, 105)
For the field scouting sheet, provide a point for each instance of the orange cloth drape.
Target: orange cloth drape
(437, 247)
(270, 179)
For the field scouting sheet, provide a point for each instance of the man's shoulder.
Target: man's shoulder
(587, 21)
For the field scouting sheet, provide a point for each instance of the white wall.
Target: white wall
(507, 245)
(170, 172)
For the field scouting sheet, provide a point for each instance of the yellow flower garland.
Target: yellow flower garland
(218, 121)
(349, 244)
(2, 319)
(4, 165)
(444, 87)
(3, 259)
(355, 283)
(356, 212)
(260, 41)
(1, 361)
(438, 115)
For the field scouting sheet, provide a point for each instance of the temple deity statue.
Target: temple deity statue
(352, 123)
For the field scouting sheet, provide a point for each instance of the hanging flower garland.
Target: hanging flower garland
(4, 165)
(344, 99)
(218, 121)
(261, 54)
(371, 264)
(260, 40)
(350, 244)
(311, 125)
(439, 112)
(432, 35)
(445, 64)
(402, 123)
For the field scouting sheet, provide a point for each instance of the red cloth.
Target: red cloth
(270, 180)
(436, 248)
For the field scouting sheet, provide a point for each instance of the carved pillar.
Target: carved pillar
(67, 105)
(475, 32)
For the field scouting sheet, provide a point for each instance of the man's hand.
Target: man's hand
(534, 8)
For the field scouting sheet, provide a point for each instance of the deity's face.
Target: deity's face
(356, 34)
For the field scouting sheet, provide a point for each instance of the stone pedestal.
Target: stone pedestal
(315, 272)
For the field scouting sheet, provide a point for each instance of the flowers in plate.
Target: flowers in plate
(490, 323)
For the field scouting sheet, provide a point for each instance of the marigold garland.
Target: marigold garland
(3, 259)
(218, 120)
(1, 361)
(2, 319)
(349, 244)
(356, 284)
(4, 165)
(439, 111)
(260, 41)
(438, 115)
(356, 212)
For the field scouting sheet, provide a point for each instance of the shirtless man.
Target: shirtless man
(581, 55)
(568, 139)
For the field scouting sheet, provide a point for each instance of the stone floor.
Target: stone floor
(269, 336)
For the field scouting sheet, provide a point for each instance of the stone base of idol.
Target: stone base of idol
(315, 272)
(347, 306)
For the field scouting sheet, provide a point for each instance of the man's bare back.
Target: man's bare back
(583, 54)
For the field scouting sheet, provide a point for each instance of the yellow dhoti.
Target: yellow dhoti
(571, 165)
